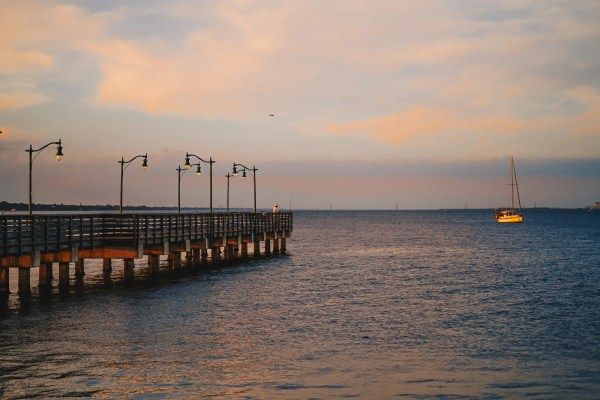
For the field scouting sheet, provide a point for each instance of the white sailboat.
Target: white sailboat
(510, 215)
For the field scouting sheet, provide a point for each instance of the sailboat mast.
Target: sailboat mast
(517, 185)
(512, 183)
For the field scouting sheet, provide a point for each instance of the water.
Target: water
(388, 304)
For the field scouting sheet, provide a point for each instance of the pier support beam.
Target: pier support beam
(107, 267)
(256, 248)
(24, 282)
(174, 261)
(244, 249)
(63, 276)
(276, 246)
(282, 247)
(214, 254)
(204, 255)
(195, 257)
(45, 279)
(128, 267)
(4, 282)
(189, 258)
(79, 268)
(267, 246)
(229, 252)
(153, 264)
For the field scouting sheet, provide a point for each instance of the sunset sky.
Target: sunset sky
(376, 103)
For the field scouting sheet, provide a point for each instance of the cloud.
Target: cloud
(19, 99)
(428, 78)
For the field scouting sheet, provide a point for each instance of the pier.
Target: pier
(194, 239)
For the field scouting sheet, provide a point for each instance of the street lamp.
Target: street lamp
(124, 167)
(31, 150)
(210, 163)
(180, 172)
(244, 169)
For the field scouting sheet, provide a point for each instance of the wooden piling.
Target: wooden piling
(229, 252)
(283, 249)
(24, 282)
(244, 249)
(174, 261)
(45, 281)
(203, 255)
(256, 248)
(79, 268)
(195, 257)
(267, 246)
(63, 276)
(189, 258)
(4, 282)
(154, 265)
(214, 254)
(128, 267)
(276, 246)
(107, 266)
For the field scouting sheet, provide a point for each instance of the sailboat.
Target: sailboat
(510, 215)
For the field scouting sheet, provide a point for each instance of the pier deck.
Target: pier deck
(38, 241)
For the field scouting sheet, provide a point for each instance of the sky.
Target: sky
(376, 104)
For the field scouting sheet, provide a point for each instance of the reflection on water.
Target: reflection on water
(368, 304)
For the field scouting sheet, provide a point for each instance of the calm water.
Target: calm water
(367, 304)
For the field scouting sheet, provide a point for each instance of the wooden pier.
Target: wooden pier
(40, 241)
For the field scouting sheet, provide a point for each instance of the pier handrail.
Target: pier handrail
(23, 234)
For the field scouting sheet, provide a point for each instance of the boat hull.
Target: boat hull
(510, 219)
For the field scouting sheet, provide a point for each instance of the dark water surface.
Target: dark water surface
(367, 304)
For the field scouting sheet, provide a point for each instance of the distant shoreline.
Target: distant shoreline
(22, 207)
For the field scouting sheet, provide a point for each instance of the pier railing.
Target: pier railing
(26, 234)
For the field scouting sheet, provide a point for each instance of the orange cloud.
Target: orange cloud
(19, 99)
(420, 121)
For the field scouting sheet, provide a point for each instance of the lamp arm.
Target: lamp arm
(199, 158)
(43, 147)
(138, 156)
(253, 170)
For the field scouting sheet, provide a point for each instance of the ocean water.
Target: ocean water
(367, 304)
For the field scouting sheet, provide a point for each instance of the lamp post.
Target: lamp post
(180, 172)
(210, 163)
(228, 176)
(124, 167)
(31, 150)
(244, 169)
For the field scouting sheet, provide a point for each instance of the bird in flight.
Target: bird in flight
(271, 115)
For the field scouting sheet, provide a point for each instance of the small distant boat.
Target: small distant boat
(510, 215)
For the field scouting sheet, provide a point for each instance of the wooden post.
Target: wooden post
(4, 282)
(229, 252)
(63, 276)
(24, 282)
(276, 246)
(195, 257)
(214, 254)
(174, 260)
(79, 269)
(189, 258)
(204, 255)
(267, 246)
(256, 248)
(106, 267)
(244, 246)
(45, 282)
(50, 272)
(154, 264)
(128, 267)
(282, 247)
